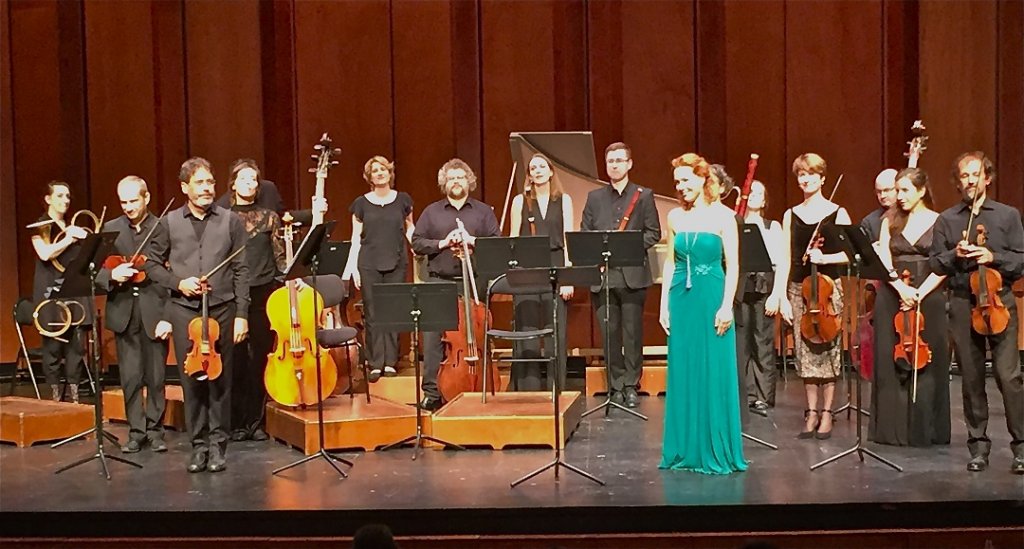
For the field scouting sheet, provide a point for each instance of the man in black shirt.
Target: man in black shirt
(193, 240)
(133, 311)
(436, 235)
(623, 205)
(956, 254)
(885, 193)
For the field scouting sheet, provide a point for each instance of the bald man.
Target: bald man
(885, 193)
(133, 311)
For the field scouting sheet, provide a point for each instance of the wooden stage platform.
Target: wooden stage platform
(27, 421)
(174, 412)
(458, 499)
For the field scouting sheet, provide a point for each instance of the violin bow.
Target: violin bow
(508, 197)
(220, 265)
(917, 341)
(814, 235)
(150, 233)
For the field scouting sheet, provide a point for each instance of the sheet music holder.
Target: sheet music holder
(754, 257)
(608, 249)
(497, 255)
(854, 240)
(334, 256)
(306, 263)
(416, 308)
(80, 282)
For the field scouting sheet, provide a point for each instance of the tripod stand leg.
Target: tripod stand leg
(836, 457)
(608, 404)
(881, 459)
(759, 441)
(73, 438)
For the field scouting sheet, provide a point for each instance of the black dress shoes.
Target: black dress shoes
(217, 461)
(133, 446)
(239, 435)
(1017, 467)
(978, 463)
(197, 463)
(374, 375)
(629, 397)
(430, 403)
(258, 435)
(157, 445)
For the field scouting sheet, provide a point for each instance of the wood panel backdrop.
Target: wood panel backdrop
(94, 90)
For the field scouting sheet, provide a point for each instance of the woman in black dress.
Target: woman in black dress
(381, 231)
(897, 417)
(542, 209)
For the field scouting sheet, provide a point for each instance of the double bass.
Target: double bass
(460, 371)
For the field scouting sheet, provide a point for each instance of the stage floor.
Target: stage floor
(448, 492)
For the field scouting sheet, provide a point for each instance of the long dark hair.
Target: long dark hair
(898, 217)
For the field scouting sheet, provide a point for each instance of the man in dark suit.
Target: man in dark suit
(623, 205)
(193, 240)
(133, 311)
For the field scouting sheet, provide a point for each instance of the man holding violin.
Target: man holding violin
(957, 253)
(134, 307)
(195, 253)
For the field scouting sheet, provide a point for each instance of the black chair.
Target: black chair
(500, 286)
(22, 315)
(334, 292)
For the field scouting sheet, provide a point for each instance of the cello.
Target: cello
(911, 351)
(459, 370)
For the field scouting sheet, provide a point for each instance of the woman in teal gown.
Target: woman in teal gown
(702, 408)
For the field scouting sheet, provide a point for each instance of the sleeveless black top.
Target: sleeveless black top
(552, 225)
(801, 234)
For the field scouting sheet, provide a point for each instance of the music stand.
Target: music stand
(556, 277)
(495, 256)
(754, 258)
(866, 264)
(607, 249)
(80, 281)
(417, 307)
(306, 263)
(333, 258)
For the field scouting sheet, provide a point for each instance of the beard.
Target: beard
(457, 192)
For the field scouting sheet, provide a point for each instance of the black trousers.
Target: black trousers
(71, 352)
(381, 347)
(207, 403)
(623, 348)
(142, 362)
(755, 349)
(249, 392)
(533, 312)
(970, 354)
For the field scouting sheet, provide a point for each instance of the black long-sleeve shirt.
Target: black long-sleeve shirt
(1005, 237)
(270, 198)
(437, 220)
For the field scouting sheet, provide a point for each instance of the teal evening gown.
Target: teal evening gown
(702, 407)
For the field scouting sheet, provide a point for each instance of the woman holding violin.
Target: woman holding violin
(808, 295)
(910, 391)
(979, 245)
(436, 236)
(382, 230)
(542, 209)
(265, 258)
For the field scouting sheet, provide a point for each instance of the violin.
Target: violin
(459, 372)
(910, 350)
(820, 322)
(137, 259)
(203, 362)
(989, 315)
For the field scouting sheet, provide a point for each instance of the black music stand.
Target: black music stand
(754, 258)
(607, 249)
(865, 264)
(80, 281)
(556, 277)
(417, 307)
(333, 258)
(306, 263)
(497, 255)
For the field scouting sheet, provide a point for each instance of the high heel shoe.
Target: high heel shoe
(820, 435)
(810, 434)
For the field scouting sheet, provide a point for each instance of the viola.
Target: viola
(459, 371)
(820, 322)
(203, 362)
(989, 316)
(910, 350)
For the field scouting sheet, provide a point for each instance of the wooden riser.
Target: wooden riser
(174, 413)
(348, 423)
(507, 419)
(402, 388)
(26, 421)
(652, 380)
